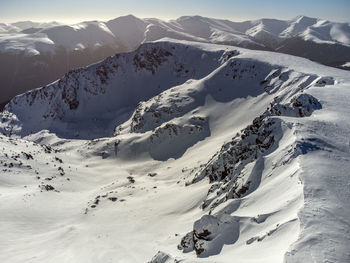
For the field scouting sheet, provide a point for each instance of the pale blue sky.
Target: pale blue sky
(70, 11)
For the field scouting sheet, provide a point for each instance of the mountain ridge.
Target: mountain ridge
(35, 56)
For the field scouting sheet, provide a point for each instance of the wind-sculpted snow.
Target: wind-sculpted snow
(235, 78)
(231, 179)
(179, 152)
(253, 142)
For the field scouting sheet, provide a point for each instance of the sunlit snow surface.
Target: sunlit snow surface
(114, 162)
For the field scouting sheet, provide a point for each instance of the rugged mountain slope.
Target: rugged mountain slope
(34, 54)
(110, 89)
(202, 151)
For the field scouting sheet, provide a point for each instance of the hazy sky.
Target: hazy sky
(70, 11)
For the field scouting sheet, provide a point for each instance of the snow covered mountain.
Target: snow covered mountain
(179, 152)
(18, 27)
(132, 31)
(35, 54)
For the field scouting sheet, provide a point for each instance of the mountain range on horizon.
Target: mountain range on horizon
(35, 54)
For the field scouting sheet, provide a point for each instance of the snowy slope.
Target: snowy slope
(123, 32)
(204, 152)
(24, 25)
(130, 30)
(74, 37)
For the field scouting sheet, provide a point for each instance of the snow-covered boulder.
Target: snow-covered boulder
(210, 234)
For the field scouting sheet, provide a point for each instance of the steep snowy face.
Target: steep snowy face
(91, 102)
(170, 123)
(86, 102)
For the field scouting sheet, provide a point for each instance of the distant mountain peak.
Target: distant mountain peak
(129, 17)
(305, 19)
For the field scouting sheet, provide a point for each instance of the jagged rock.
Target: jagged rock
(150, 59)
(47, 187)
(104, 155)
(325, 81)
(113, 199)
(301, 105)
(131, 179)
(186, 243)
